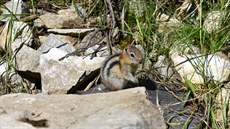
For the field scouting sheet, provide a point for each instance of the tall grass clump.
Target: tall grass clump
(190, 33)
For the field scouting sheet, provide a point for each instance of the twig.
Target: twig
(91, 83)
(94, 6)
(109, 21)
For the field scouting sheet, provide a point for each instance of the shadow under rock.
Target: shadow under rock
(174, 111)
(33, 77)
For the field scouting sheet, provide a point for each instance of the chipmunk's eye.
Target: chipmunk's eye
(132, 55)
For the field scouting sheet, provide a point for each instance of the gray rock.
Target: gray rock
(26, 63)
(27, 59)
(53, 42)
(59, 76)
(126, 109)
(72, 32)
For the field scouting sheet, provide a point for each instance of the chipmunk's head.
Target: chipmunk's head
(132, 55)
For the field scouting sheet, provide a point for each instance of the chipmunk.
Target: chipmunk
(118, 70)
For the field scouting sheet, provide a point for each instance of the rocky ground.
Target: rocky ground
(58, 57)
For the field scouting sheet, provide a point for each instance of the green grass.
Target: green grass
(7, 86)
(187, 34)
(8, 56)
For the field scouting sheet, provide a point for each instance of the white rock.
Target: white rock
(191, 67)
(59, 76)
(85, 63)
(126, 109)
(184, 49)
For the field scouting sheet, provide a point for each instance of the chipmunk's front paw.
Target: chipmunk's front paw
(133, 83)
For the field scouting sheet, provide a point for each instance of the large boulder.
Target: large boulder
(127, 109)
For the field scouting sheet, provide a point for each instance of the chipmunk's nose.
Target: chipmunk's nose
(141, 61)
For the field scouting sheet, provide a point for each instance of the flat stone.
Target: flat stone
(127, 109)
(72, 32)
(65, 18)
(64, 38)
